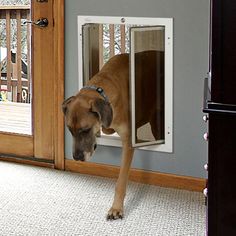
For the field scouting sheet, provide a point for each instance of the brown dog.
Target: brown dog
(105, 102)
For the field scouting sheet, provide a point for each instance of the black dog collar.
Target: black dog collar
(97, 89)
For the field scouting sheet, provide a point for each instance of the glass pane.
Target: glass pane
(147, 85)
(90, 51)
(100, 43)
(15, 63)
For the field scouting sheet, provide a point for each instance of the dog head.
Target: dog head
(84, 118)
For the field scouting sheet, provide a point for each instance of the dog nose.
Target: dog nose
(78, 156)
(95, 146)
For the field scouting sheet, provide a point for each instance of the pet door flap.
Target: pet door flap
(147, 76)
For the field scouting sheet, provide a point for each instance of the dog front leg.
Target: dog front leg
(116, 210)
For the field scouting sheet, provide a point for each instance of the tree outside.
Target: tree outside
(117, 40)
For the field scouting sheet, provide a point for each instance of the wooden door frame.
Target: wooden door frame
(59, 79)
(26, 153)
(48, 80)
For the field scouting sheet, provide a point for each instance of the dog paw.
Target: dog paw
(114, 214)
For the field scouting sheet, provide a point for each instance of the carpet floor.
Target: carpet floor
(41, 201)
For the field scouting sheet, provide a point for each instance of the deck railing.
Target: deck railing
(15, 81)
(15, 60)
(113, 39)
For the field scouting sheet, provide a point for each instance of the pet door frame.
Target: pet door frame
(167, 23)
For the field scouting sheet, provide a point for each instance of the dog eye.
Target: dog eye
(82, 131)
(86, 130)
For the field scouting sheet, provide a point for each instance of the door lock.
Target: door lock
(42, 22)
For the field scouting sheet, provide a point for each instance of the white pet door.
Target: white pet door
(149, 42)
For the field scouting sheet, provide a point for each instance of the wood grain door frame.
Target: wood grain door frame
(59, 73)
(48, 82)
(43, 146)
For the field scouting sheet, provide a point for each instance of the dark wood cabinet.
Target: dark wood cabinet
(221, 106)
(222, 175)
(223, 51)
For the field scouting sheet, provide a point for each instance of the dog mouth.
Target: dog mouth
(87, 156)
(84, 155)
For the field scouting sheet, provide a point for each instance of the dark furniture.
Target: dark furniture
(220, 104)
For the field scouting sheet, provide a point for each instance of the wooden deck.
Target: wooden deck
(15, 118)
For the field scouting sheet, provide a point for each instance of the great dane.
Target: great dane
(104, 103)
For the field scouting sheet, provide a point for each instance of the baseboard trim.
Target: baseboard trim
(28, 161)
(140, 176)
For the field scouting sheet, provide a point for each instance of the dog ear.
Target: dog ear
(65, 104)
(104, 111)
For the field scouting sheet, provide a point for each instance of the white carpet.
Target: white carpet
(41, 201)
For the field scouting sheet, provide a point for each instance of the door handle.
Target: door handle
(41, 22)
